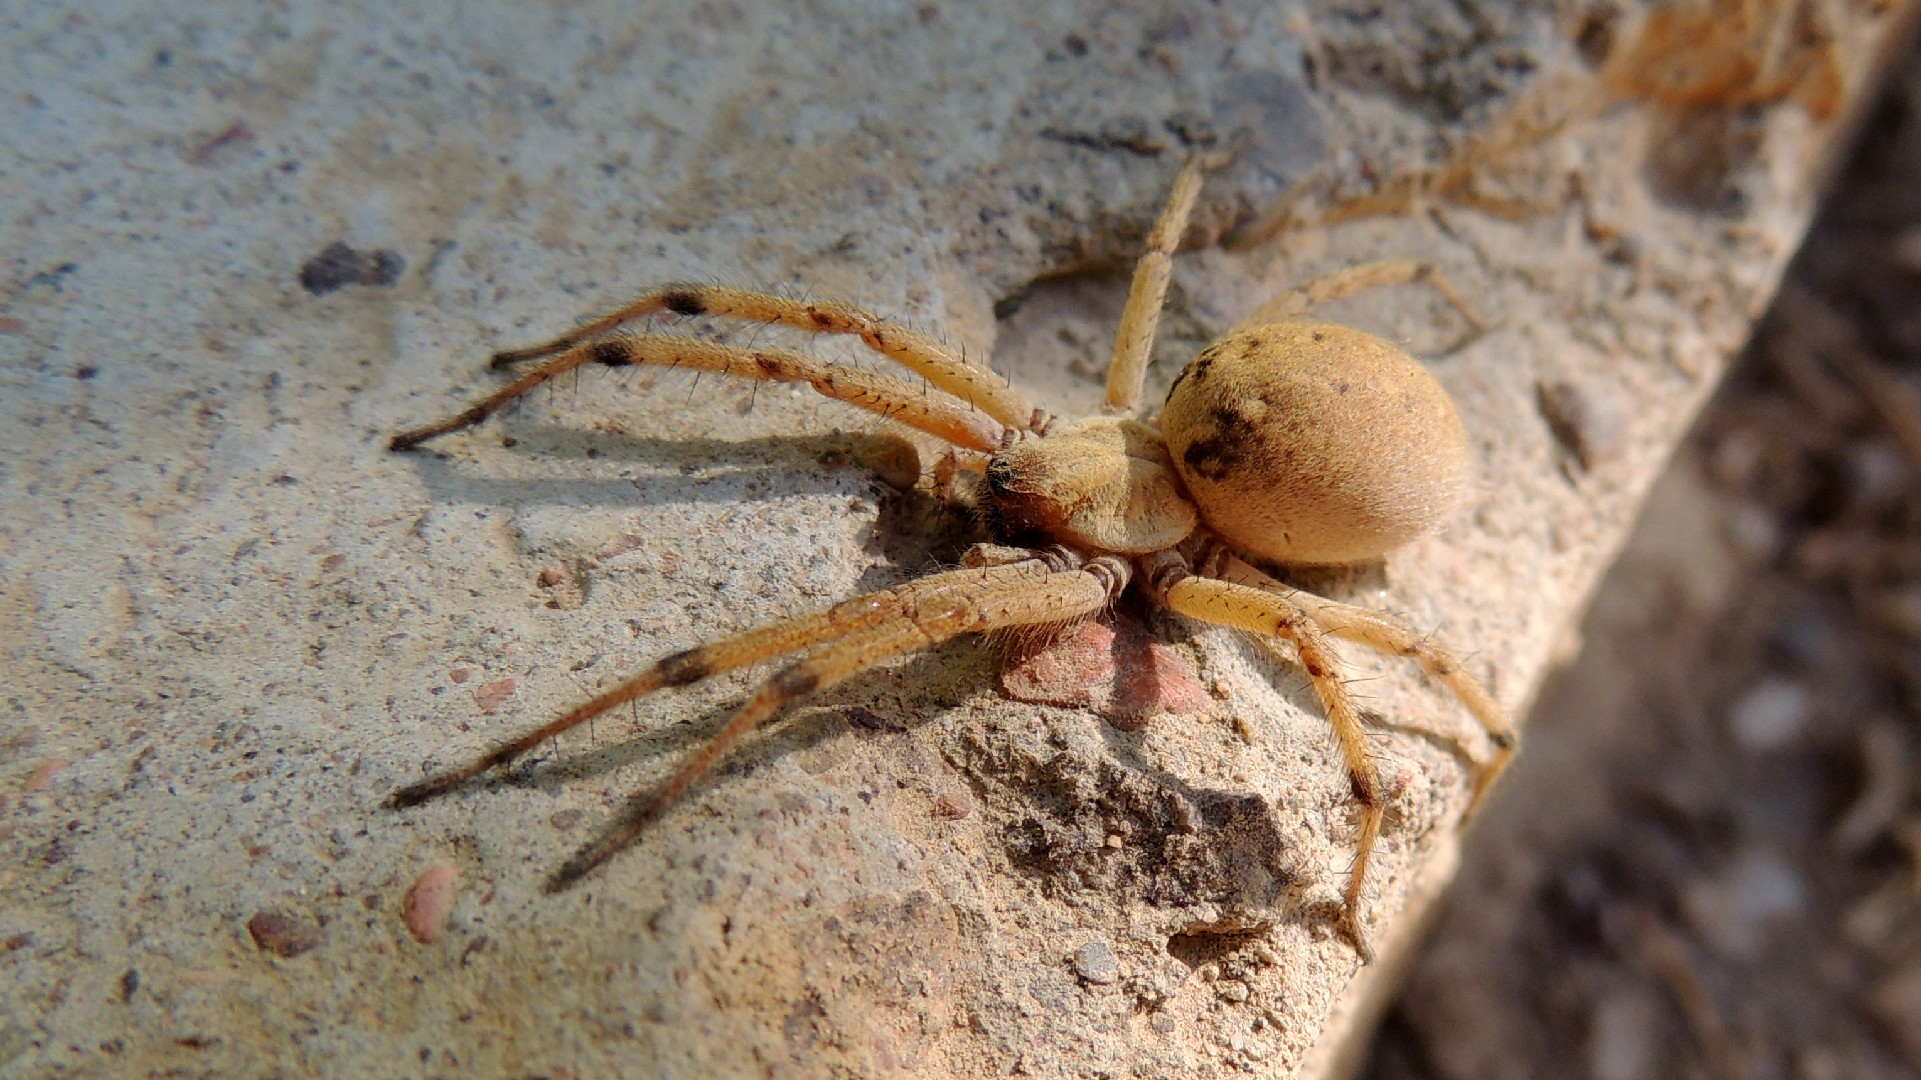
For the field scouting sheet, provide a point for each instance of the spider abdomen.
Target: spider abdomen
(1306, 442)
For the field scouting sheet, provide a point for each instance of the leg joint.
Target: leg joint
(684, 667)
(1114, 574)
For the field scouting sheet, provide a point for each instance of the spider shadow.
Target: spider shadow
(677, 470)
(839, 712)
(1281, 667)
(914, 529)
(1346, 584)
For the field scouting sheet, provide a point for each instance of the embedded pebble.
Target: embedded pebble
(283, 935)
(1096, 962)
(42, 777)
(495, 694)
(429, 902)
(1593, 427)
(1110, 664)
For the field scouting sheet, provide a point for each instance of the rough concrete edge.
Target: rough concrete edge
(1346, 1040)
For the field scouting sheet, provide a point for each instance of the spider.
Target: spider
(1285, 441)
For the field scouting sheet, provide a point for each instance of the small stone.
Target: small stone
(1592, 426)
(1096, 962)
(1111, 665)
(493, 695)
(429, 902)
(1734, 910)
(42, 777)
(1771, 716)
(283, 935)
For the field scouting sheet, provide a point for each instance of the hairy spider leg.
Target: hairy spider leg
(895, 399)
(1057, 596)
(1256, 611)
(1295, 303)
(1386, 634)
(973, 383)
(849, 617)
(1134, 340)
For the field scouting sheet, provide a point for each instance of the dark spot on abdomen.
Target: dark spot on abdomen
(1211, 459)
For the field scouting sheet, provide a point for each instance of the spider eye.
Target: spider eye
(1000, 476)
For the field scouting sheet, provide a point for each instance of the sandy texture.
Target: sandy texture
(243, 243)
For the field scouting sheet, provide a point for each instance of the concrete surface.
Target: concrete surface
(231, 622)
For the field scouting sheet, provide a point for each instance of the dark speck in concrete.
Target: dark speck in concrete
(338, 265)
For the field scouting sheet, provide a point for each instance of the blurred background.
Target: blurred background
(1709, 864)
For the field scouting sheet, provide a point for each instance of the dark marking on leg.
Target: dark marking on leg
(612, 354)
(684, 667)
(683, 300)
(1362, 786)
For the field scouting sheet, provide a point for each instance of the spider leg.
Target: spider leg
(1054, 597)
(1243, 607)
(1134, 340)
(1339, 284)
(1394, 637)
(896, 399)
(973, 383)
(862, 613)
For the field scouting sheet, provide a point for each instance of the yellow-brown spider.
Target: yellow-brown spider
(1287, 441)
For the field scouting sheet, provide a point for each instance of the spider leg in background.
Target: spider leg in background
(895, 399)
(1295, 303)
(1173, 583)
(973, 383)
(990, 568)
(1389, 635)
(1054, 597)
(1134, 340)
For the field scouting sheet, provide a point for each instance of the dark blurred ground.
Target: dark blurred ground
(1710, 865)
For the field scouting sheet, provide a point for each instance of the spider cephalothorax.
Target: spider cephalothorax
(1284, 441)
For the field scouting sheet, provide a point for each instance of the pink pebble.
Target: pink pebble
(429, 902)
(1110, 664)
